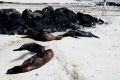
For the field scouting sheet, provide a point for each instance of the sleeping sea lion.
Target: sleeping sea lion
(78, 33)
(34, 62)
(33, 47)
(43, 37)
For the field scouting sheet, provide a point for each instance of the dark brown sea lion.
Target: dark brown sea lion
(78, 33)
(43, 37)
(34, 62)
(33, 47)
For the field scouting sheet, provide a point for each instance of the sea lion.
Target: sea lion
(78, 33)
(43, 37)
(34, 62)
(33, 47)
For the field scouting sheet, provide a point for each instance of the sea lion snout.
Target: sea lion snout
(10, 71)
(14, 70)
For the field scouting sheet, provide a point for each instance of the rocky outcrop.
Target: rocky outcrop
(46, 20)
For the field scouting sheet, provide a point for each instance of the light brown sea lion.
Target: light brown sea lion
(43, 37)
(33, 47)
(34, 62)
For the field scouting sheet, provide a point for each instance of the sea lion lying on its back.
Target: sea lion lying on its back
(33, 47)
(43, 37)
(34, 62)
(78, 33)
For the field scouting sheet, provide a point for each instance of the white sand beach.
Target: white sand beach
(74, 59)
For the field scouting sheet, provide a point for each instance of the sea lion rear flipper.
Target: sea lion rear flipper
(95, 36)
(16, 50)
(19, 49)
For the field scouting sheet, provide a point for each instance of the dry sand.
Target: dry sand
(75, 59)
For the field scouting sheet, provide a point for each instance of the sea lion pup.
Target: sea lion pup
(33, 47)
(78, 33)
(34, 62)
(43, 37)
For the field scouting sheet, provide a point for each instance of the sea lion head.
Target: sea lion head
(14, 70)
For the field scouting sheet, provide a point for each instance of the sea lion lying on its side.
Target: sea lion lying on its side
(78, 33)
(34, 62)
(43, 37)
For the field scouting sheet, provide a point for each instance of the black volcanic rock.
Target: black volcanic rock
(45, 20)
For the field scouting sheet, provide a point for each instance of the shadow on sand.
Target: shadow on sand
(23, 56)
